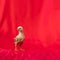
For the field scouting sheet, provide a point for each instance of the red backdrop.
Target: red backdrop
(39, 18)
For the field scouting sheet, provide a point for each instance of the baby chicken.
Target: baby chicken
(19, 39)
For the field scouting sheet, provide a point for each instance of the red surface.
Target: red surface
(41, 22)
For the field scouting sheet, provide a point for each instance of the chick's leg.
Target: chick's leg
(20, 44)
(15, 46)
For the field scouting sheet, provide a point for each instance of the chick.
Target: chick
(19, 39)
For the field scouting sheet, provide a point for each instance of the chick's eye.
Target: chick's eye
(19, 28)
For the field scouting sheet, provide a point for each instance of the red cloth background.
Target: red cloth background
(41, 22)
